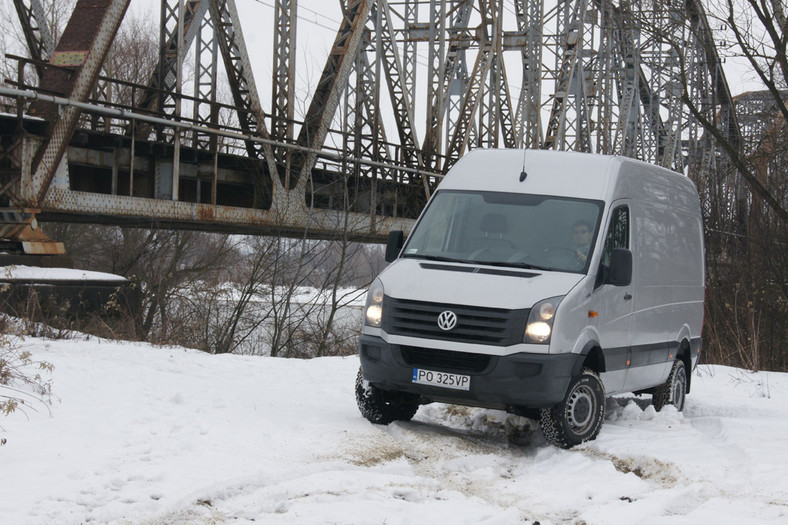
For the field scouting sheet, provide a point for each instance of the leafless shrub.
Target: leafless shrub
(24, 381)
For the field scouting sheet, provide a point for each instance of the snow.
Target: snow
(23, 273)
(159, 435)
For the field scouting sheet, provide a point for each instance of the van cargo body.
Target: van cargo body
(539, 282)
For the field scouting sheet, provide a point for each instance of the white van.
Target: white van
(539, 282)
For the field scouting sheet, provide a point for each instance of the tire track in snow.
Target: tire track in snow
(452, 449)
(480, 454)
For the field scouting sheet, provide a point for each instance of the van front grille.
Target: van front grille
(444, 359)
(490, 326)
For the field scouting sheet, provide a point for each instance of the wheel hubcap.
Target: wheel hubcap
(580, 408)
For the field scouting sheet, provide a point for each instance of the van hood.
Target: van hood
(473, 285)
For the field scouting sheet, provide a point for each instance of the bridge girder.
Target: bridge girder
(587, 72)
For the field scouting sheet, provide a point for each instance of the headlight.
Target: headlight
(540, 322)
(373, 310)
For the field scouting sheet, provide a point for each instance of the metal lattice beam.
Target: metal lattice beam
(388, 57)
(592, 80)
(283, 92)
(329, 89)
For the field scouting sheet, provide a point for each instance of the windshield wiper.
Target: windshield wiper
(435, 258)
(523, 265)
(442, 258)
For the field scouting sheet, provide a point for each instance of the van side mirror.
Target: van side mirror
(394, 245)
(620, 267)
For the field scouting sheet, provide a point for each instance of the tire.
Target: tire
(674, 390)
(579, 416)
(382, 407)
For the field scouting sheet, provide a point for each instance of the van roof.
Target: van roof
(549, 172)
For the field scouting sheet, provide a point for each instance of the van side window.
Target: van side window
(617, 237)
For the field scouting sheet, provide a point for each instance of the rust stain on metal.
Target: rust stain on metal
(291, 217)
(205, 213)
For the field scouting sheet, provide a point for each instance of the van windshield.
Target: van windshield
(528, 231)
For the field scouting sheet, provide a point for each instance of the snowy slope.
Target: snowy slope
(147, 435)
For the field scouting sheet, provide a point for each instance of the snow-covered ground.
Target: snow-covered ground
(24, 273)
(148, 435)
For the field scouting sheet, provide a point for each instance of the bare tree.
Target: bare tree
(757, 30)
(745, 206)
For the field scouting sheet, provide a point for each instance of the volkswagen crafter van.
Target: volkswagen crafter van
(539, 282)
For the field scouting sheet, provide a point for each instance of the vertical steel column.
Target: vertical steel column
(176, 156)
(168, 58)
(410, 49)
(670, 154)
(569, 125)
(506, 112)
(496, 118)
(162, 80)
(368, 84)
(627, 69)
(528, 119)
(607, 61)
(649, 135)
(569, 41)
(488, 98)
(205, 111)
(388, 56)
(470, 104)
(586, 80)
(456, 74)
(435, 71)
(283, 88)
(455, 79)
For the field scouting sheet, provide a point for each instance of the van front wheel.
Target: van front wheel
(674, 390)
(382, 407)
(579, 416)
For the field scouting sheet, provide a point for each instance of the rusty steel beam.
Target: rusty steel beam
(78, 206)
(82, 50)
(329, 89)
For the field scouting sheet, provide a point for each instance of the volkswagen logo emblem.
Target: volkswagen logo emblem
(447, 320)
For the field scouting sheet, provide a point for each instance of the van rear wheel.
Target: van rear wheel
(579, 416)
(674, 390)
(383, 407)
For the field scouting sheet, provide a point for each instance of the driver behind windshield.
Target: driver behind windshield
(581, 240)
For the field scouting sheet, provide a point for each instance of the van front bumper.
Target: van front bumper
(511, 382)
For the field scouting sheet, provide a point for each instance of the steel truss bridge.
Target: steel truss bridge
(407, 88)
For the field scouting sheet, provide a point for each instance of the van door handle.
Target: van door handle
(627, 296)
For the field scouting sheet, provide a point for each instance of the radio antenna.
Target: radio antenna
(523, 174)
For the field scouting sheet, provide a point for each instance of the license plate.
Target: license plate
(442, 379)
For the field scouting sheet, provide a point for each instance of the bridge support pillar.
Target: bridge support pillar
(21, 235)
